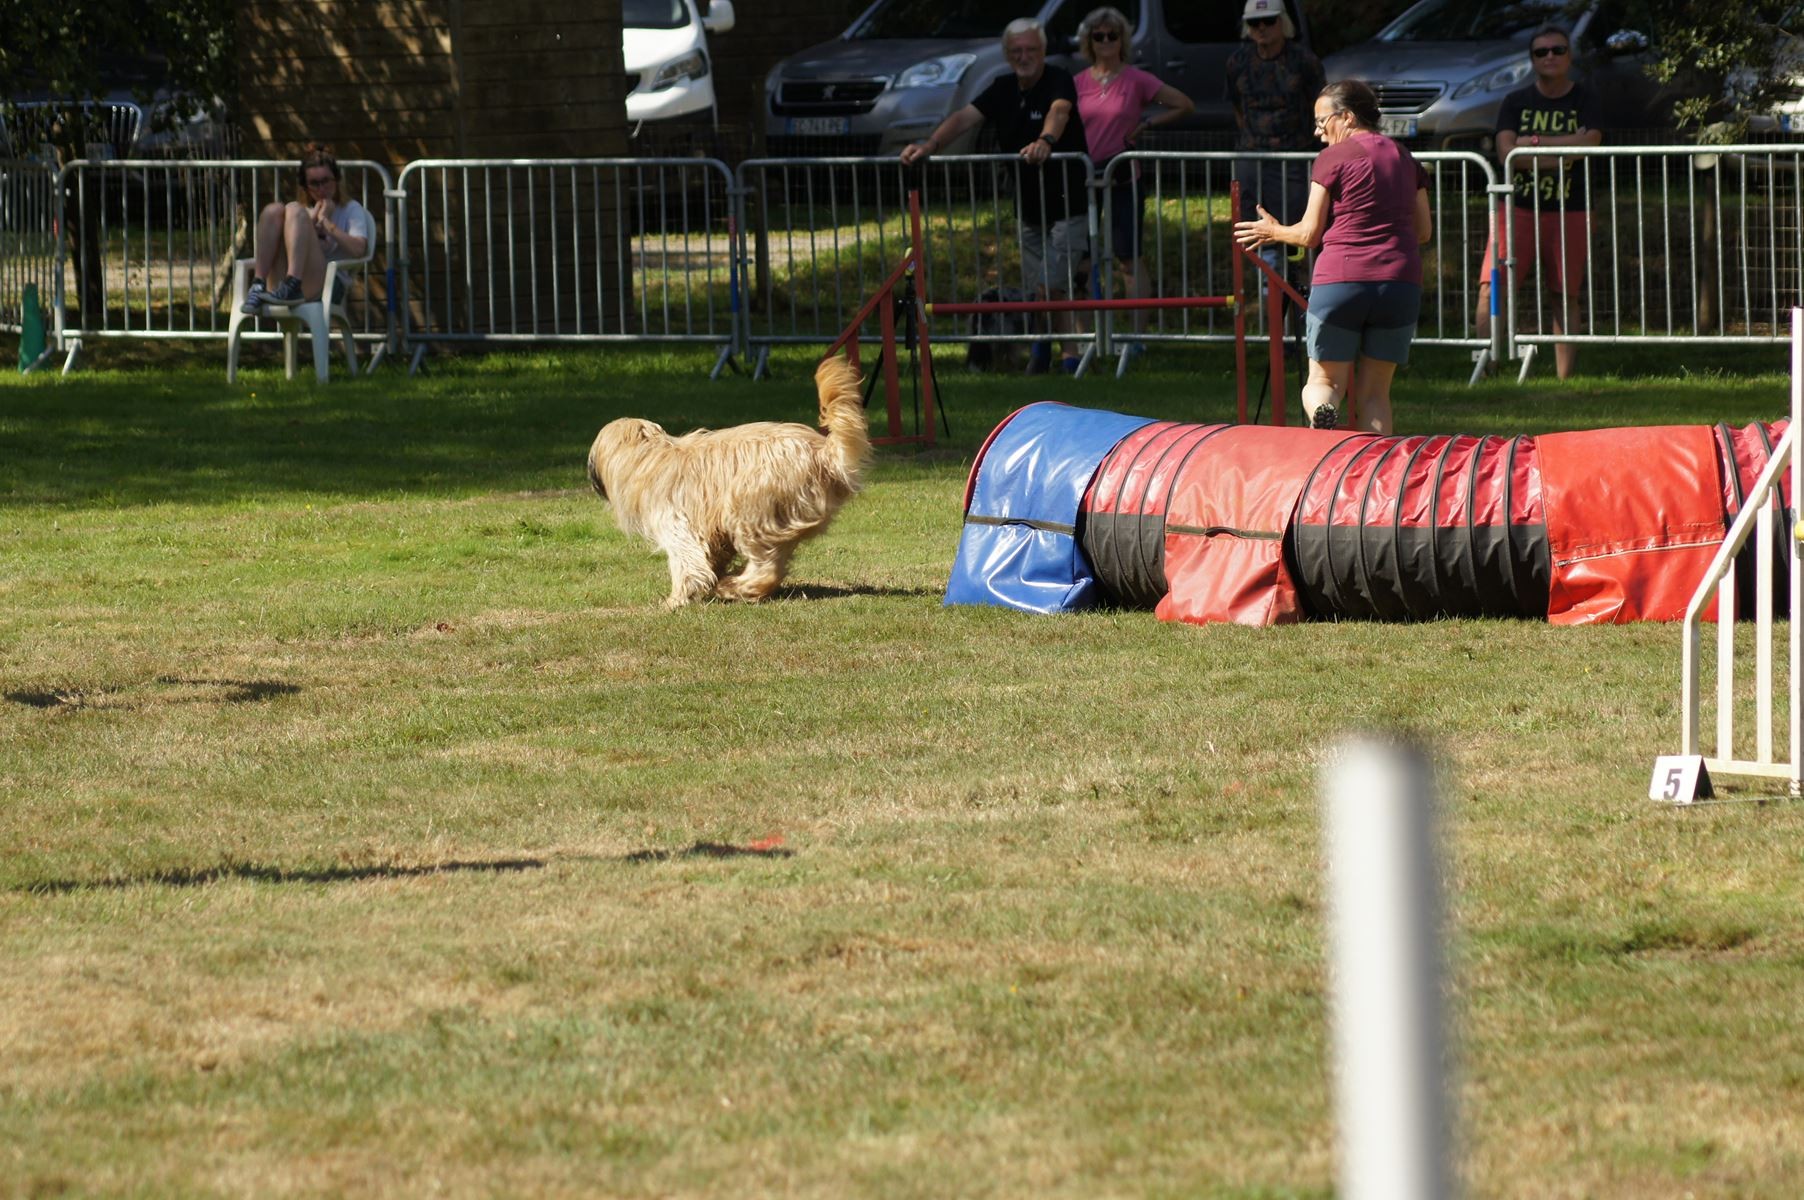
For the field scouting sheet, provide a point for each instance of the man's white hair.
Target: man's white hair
(1021, 25)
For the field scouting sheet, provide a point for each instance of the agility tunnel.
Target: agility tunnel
(1068, 507)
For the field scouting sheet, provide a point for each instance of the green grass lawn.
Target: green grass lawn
(368, 828)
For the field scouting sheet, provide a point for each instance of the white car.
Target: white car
(669, 74)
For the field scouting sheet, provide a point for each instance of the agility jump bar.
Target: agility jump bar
(933, 308)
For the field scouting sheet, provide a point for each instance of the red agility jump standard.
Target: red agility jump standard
(907, 283)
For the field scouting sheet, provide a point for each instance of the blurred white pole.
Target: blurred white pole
(1378, 829)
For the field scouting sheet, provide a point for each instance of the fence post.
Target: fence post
(1385, 965)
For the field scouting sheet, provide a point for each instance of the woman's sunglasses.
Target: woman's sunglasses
(1261, 22)
(1546, 51)
(1105, 35)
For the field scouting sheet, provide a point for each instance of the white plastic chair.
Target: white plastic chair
(290, 318)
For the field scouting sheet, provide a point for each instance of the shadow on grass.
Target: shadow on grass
(709, 850)
(212, 691)
(182, 877)
(816, 591)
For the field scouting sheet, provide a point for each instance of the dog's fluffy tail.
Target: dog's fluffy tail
(843, 417)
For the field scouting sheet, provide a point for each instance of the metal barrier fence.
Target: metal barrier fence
(821, 233)
(1682, 243)
(581, 250)
(27, 238)
(147, 247)
(1186, 228)
(1675, 244)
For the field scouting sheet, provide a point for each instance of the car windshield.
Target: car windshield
(939, 19)
(653, 14)
(1471, 21)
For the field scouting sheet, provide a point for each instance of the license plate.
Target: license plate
(1397, 126)
(819, 126)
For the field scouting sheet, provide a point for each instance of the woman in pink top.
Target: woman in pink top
(1368, 211)
(1112, 98)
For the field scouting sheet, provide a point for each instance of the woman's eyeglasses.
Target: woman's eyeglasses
(1105, 35)
(320, 181)
(1321, 123)
(1261, 22)
(1553, 51)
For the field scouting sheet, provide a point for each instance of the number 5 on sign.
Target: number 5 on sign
(1680, 779)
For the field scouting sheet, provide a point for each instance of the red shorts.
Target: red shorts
(1562, 248)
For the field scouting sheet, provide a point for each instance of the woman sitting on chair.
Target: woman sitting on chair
(296, 240)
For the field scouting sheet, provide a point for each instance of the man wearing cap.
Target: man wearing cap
(1272, 84)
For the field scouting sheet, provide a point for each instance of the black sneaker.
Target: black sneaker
(253, 299)
(1324, 417)
(286, 292)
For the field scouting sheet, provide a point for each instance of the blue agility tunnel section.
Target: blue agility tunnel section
(1020, 548)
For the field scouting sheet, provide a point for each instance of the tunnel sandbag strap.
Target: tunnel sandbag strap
(1634, 517)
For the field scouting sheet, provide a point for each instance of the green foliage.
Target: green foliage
(69, 47)
(1744, 51)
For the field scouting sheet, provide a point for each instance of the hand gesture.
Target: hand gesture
(1258, 232)
(1036, 151)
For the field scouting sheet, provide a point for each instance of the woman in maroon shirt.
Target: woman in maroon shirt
(1368, 211)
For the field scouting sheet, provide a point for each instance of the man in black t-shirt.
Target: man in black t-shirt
(1034, 114)
(1546, 213)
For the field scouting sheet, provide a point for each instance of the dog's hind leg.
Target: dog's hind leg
(764, 570)
(720, 558)
(692, 576)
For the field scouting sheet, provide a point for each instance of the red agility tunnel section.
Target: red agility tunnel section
(1261, 526)
(1394, 529)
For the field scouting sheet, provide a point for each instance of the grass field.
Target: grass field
(367, 828)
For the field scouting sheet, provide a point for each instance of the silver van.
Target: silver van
(1442, 69)
(905, 64)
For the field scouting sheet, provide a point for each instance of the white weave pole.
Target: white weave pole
(1392, 1104)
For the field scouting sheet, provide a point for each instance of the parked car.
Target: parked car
(904, 65)
(669, 74)
(1442, 69)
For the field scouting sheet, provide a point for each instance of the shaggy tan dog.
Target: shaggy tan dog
(754, 490)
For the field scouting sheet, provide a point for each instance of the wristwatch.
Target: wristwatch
(1047, 138)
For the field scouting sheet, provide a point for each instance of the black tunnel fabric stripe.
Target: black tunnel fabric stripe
(1153, 574)
(1341, 605)
(1102, 540)
(1298, 533)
